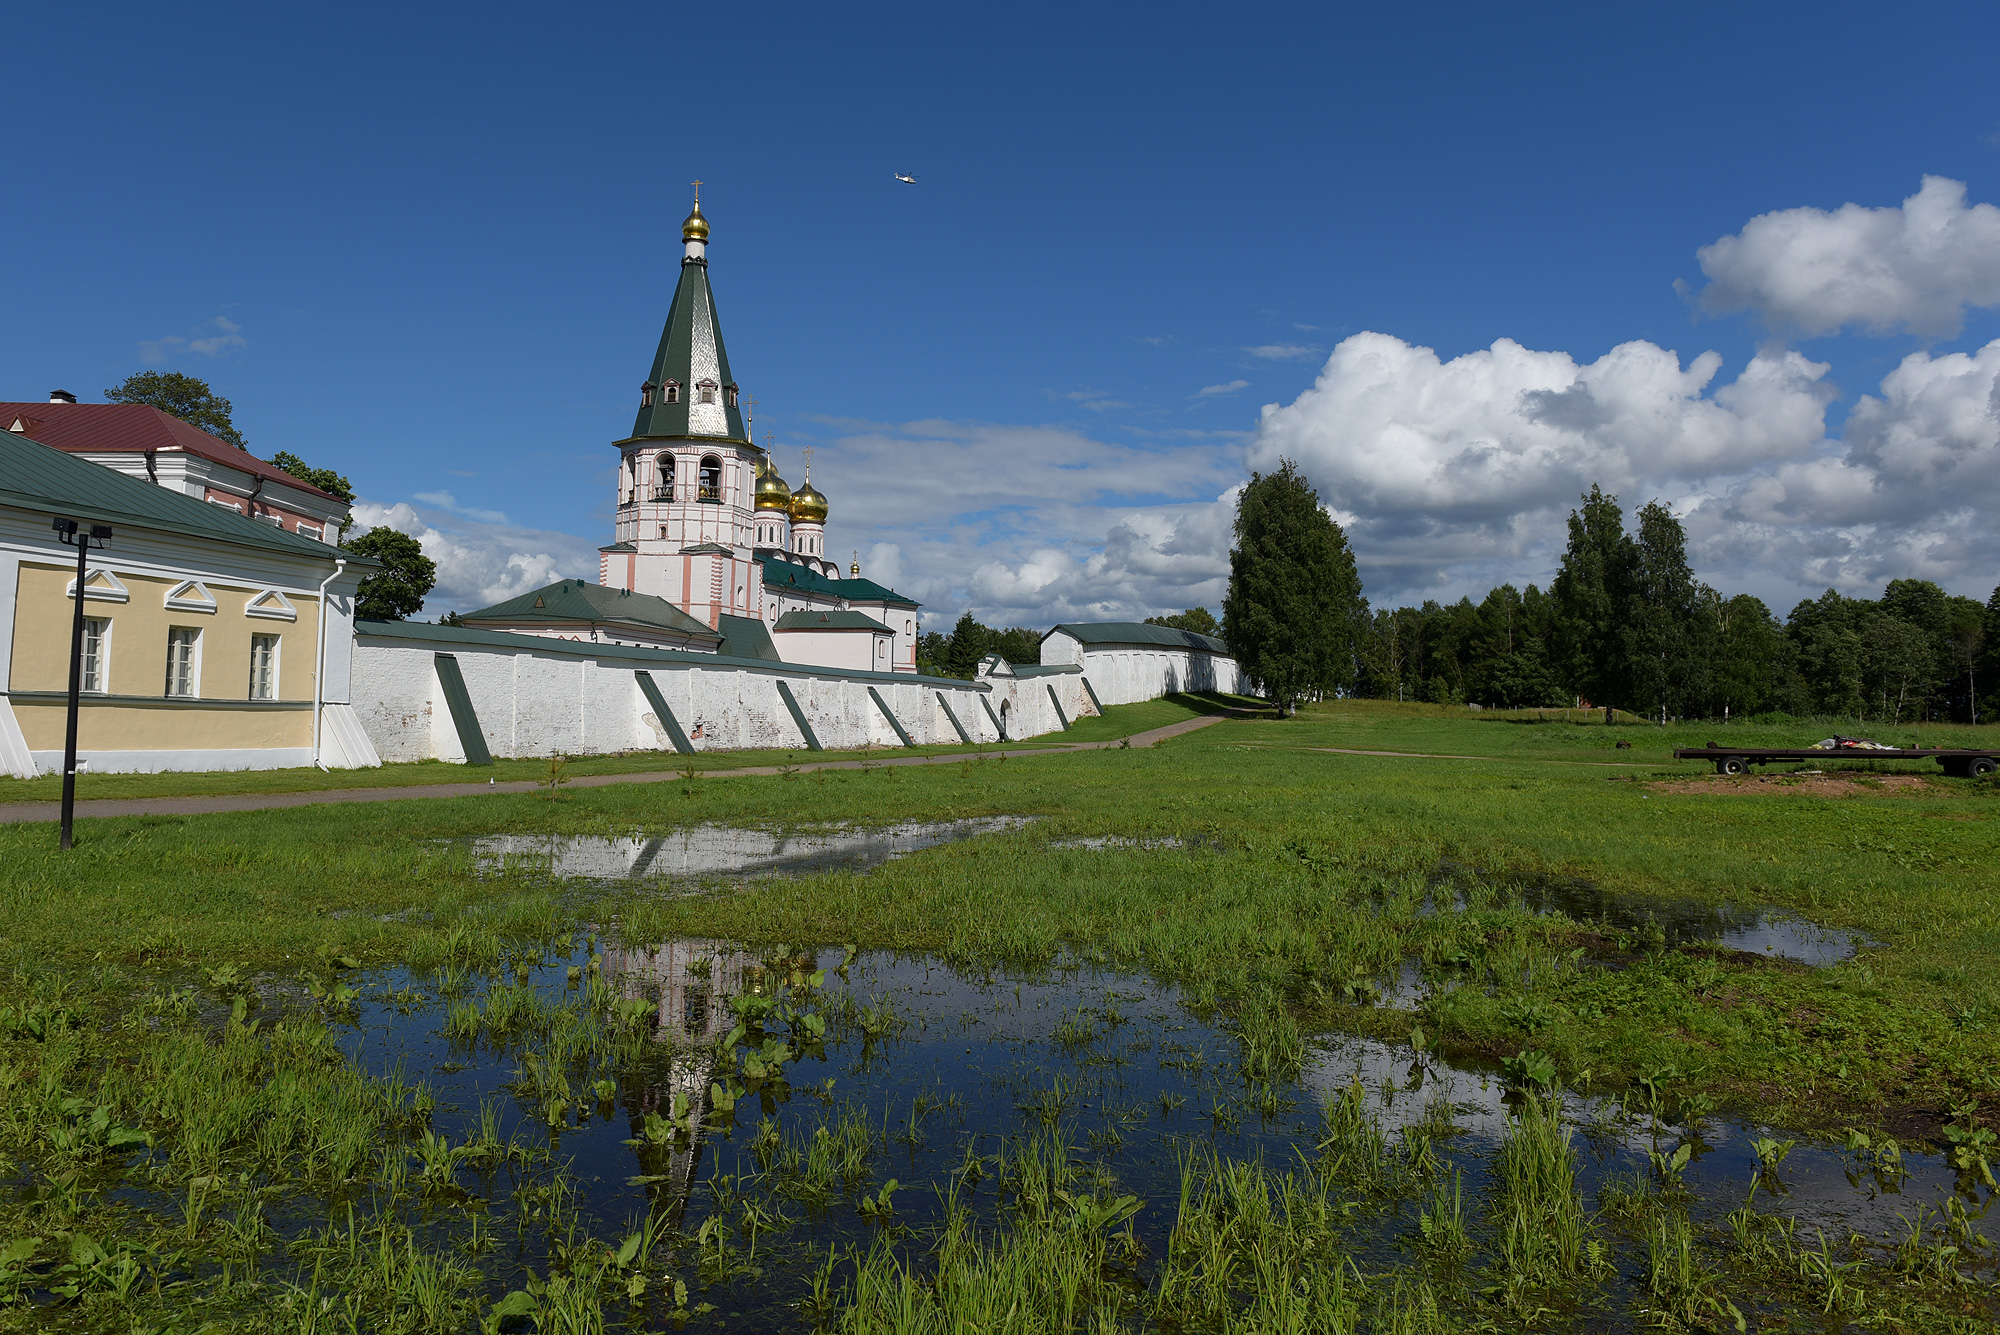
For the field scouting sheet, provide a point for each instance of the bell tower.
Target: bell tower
(688, 473)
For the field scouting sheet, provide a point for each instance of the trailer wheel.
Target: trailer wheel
(1981, 766)
(1732, 765)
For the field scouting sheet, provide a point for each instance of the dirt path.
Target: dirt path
(14, 813)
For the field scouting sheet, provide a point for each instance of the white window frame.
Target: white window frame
(194, 638)
(277, 643)
(97, 666)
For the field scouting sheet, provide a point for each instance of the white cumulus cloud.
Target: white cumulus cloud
(210, 339)
(1915, 267)
(480, 563)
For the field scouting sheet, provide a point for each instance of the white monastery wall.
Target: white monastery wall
(1123, 674)
(1027, 705)
(531, 701)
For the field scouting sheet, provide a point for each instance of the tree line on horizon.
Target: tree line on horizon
(1624, 624)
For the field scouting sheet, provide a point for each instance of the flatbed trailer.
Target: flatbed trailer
(1966, 764)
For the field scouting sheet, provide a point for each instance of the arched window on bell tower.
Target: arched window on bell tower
(646, 395)
(711, 478)
(670, 391)
(663, 477)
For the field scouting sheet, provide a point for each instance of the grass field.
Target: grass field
(1303, 873)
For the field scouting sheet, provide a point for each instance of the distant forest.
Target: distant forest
(1626, 623)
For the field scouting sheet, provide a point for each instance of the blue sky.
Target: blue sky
(433, 247)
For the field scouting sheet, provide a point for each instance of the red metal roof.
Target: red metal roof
(135, 427)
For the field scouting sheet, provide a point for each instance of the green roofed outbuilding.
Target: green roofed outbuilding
(571, 609)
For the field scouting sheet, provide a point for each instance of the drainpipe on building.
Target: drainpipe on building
(319, 666)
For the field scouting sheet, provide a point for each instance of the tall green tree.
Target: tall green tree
(1752, 660)
(399, 588)
(1665, 647)
(1988, 673)
(1831, 673)
(1964, 644)
(969, 643)
(1197, 619)
(186, 397)
(334, 484)
(1294, 614)
(1592, 593)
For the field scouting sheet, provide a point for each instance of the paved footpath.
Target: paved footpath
(14, 813)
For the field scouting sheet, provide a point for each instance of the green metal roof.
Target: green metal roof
(746, 637)
(35, 476)
(1043, 669)
(830, 619)
(691, 325)
(780, 573)
(574, 601)
(631, 655)
(619, 547)
(1137, 632)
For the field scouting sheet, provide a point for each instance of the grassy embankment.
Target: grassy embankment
(1315, 871)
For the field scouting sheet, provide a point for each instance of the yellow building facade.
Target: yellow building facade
(212, 641)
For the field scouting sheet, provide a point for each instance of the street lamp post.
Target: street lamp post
(74, 535)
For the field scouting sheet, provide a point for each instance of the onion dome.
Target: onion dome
(772, 493)
(695, 228)
(808, 506)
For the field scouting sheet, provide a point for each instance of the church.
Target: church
(713, 551)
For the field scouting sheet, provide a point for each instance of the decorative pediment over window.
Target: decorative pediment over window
(190, 595)
(272, 605)
(100, 586)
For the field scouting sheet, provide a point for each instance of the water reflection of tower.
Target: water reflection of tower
(692, 982)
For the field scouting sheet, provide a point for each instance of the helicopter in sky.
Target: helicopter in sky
(906, 179)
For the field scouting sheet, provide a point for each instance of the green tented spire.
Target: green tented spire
(689, 391)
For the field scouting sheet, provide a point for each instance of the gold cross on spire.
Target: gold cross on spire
(809, 463)
(749, 418)
(697, 194)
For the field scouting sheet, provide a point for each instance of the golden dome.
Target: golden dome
(696, 226)
(808, 506)
(772, 493)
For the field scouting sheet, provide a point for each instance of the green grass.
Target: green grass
(1582, 735)
(1307, 839)
(1125, 720)
(1304, 873)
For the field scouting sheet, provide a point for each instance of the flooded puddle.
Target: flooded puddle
(1676, 922)
(720, 852)
(765, 1155)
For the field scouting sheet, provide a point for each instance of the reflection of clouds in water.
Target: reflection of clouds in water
(1399, 1084)
(698, 851)
(1818, 1193)
(1682, 921)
